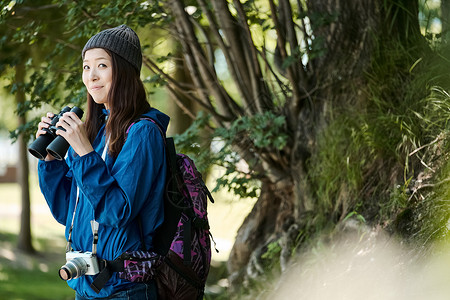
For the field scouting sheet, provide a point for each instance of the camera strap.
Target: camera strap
(94, 227)
(94, 223)
(69, 242)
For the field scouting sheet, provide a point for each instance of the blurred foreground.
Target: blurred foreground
(367, 264)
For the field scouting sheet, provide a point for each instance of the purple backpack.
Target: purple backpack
(182, 256)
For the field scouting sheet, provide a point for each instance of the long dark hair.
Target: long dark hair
(127, 100)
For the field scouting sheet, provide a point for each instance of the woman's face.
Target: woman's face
(97, 74)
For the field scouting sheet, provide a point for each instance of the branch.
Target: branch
(225, 99)
(290, 74)
(208, 43)
(85, 13)
(289, 25)
(306, 38)
(61, 41)
(203, 76)
(174, 87)
(34, 8)
(180, 104)
(282, 86)
(426, 145)
(232, 67)
(233, 50)
(260, 90)
(428, 185)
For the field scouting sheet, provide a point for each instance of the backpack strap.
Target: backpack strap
(172, 202)
(139, 219)
(164, 246)
(151, 120)
(107, 268)
(173, 261)
(141, 231)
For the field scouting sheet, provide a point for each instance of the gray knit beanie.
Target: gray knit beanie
(121, 40)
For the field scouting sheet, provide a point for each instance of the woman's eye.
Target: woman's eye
(102, 65)
(85, 67)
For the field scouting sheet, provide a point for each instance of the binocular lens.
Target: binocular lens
(51, 143)
(38, 147)
(58, 148)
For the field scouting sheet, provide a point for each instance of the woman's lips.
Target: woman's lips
(96, 87)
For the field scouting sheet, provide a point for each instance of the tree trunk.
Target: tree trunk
(259, 229)
(24, 240)
(180, 119)
(348, 38)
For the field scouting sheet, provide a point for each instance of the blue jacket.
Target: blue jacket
(113, 192)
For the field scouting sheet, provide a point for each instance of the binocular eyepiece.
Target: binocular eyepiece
(50, 142)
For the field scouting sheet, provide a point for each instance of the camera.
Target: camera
(50, 142)
(78, 264)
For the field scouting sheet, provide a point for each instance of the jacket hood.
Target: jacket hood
(161, 118)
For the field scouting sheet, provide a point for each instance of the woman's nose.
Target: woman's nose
(93, 75)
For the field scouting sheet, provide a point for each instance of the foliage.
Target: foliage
(51, 35)
(262, 131)
(346, 168)
(425, 214)
(272, 255)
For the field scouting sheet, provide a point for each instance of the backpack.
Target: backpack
(181, 259)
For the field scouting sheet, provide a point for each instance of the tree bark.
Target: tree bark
(259, 229)
(24, 240)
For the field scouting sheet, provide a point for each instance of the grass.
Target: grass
(31, 276)
(24, 276)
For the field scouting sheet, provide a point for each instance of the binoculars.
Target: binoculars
(50, 142)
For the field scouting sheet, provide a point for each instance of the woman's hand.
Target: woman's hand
(45, 123)
(74, 133)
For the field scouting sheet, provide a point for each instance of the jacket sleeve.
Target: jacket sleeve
(55, 183)
(119, 193)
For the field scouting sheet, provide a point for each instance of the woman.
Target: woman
(117, 171)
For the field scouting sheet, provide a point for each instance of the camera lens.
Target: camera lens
(73, 269)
